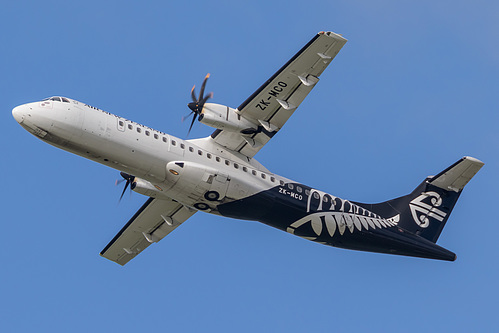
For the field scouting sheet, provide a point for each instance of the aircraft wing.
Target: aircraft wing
(153, 221)
(274, 102)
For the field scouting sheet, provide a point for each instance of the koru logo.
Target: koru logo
(424, 207)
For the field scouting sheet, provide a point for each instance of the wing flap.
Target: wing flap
(153, 221)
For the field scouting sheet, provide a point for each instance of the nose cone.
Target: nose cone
(19, 112)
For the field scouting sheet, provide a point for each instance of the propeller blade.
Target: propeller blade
(124, 190)
(193, 94)
(192, 124)
(210, 95)
(185, 117)
(203, 86)
(124, 175)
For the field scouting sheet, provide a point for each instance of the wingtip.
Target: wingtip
(474, 160)
(333, 35)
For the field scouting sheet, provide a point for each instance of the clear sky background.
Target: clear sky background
(415, 88)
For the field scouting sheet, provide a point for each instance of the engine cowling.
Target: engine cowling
(144, 187)
(226, 118)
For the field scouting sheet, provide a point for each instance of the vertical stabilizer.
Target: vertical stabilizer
(425, 211)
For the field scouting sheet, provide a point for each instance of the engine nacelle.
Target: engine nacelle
(226, 118)
(144, 187)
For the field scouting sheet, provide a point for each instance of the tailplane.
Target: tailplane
(425, 211)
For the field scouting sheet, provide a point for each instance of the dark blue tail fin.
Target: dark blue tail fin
(425, 211)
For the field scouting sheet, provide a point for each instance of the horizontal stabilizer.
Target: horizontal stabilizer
(457, 175)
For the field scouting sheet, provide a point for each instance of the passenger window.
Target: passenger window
(208, 155)
(164, 139)
(325, 199)
(272, 179)
(245, 169)
(316, 195)
(291, 186)
(174, 142)
(121, 123)
(307, 192)
(139, 129)
(236, 165)
(264, 176)
(299, 189)
(156, 136)
(217, 158)
(148, 133)
(182, 146)
(253, 172)
(191, 149)
(130, 126)
(200, 153)
(227, 162)
(281, 182)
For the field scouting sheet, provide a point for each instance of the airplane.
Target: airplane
(219, 174)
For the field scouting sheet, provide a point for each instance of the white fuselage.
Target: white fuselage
(148, 154)
(202, 175)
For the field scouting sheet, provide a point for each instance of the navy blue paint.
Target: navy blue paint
(280, 211)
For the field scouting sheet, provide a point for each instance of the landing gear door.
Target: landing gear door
(220, 184)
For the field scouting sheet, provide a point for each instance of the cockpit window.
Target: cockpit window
(57, 99)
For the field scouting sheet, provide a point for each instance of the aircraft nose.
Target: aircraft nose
(19, 112)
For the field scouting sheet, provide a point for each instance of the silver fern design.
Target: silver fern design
(341, 215)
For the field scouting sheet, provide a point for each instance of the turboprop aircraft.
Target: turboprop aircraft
(219, 174)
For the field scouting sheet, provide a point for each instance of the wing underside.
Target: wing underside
(275, 101)
(153, 221)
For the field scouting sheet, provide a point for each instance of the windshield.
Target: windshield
(57, 99)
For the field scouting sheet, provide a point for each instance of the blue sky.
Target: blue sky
(413, 90)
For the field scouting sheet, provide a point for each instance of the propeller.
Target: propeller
(197, 103)
(129, 180)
